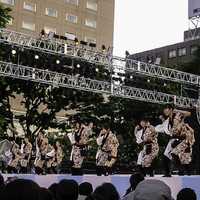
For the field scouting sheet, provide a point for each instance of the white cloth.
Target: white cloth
(71, 137)
(138, 135)
(140, 157)
(163, 128)
(169, 148)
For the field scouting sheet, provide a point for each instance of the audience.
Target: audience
(186, 194)
(67, 189)
(140, 189)
(21, 189)
(134, 180)
(152, 190)
(53, 189)
(85, 189)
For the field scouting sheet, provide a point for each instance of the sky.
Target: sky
(147, 24)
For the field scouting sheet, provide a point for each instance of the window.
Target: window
(30, 6)
(10, 2)
(91, 23)
(172, 54)
(72, 18)
(90, 40)
(74, 2)
(70, 36)
(193, 49)
(92, 5)
(51, 12)
(182, 52)
(28, 25)
(48, 29)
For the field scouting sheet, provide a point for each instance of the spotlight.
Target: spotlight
(148, 81)
(76, 41)
(103, 47)
(57, 61)
(78, 66)
(165, 84)
(36, 57)
(13, 52)
(97, 69)
(131, 77)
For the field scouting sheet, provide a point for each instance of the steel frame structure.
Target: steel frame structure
(112, 63)
(156, 71)
(85, 84)
(54, 46)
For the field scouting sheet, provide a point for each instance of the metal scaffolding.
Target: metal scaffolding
(54, 46)
(152, 70)
(85, 84)
(114, 64)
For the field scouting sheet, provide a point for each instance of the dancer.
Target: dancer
(16, 156)
(58, 157)
(107, 152)
(172, 125)
(41, 151)
(80, 138)
(26, 149)
(146, 135)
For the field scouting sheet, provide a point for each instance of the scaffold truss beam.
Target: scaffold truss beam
(152, 70)
(54, 46)
(85, 84)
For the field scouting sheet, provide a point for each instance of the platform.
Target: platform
(121, 182)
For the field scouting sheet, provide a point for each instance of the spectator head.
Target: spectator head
(187, 193)
(53, 189)
(152, 190)
(85, 189)
(108, 191)
(134, 180)
(95, 197)
(67, 189)
(45, 194)
(21, 189)
(1, 180)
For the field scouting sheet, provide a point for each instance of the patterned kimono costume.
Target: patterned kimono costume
(79, 148)
(16, 156)
(26, 150)
(150, 149)
(58, 157)
(176, 131)
(184, 149)
(50, 156)
(42, 149)
(108, 147)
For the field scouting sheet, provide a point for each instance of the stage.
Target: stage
(121, 182)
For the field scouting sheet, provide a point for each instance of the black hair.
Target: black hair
(85, 188)
(186, 193)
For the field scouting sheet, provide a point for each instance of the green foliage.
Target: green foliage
(4, 16)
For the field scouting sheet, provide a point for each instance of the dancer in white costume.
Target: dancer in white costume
(172, 119)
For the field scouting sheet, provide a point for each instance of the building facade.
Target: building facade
(88, 20)
(171, 55)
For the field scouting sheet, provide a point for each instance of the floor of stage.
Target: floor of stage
(121, 182)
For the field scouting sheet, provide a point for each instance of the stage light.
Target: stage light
(13, 52)
(76, 41)
(131, 77)
(97, 69)
(148, 80)
(57, 61)
(36, 57)
(103, 47)
(165, 84)
(78, 66)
